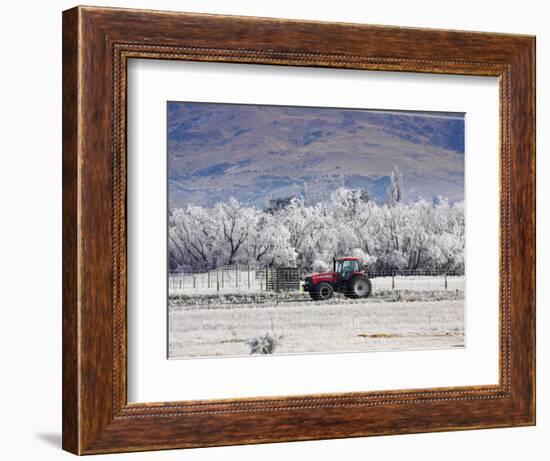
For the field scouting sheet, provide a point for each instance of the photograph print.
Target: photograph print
(300, 230)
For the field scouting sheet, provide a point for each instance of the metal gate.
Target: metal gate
(282, 278)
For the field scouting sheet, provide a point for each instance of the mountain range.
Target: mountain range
(256, 153)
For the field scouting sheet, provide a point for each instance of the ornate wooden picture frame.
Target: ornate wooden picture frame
(97, 44)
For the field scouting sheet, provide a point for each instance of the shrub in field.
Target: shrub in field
(263, 344)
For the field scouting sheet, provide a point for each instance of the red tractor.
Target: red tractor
(347, 277)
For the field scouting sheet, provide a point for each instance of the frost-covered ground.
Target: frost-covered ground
(207, 326)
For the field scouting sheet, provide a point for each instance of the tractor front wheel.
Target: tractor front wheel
(360, 287)
(322, 291)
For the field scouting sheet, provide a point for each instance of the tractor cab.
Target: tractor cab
(344, 268)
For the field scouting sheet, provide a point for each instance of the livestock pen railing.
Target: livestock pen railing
(230, 277)
(245, 277)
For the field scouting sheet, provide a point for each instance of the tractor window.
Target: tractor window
(347, 268)
(338, 266)
(350, 266)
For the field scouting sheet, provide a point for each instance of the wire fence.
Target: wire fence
(244, 277)
(234, 277)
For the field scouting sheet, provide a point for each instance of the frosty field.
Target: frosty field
(218, 326)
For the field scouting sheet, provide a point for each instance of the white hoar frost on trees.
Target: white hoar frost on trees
(397, 235)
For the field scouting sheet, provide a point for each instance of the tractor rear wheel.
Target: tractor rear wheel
(360, 287)
(322, 291)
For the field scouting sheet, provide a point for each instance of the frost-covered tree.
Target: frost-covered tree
(193, 238)
(307, 227)
(269, 242)
(236, 223)
(396, 190)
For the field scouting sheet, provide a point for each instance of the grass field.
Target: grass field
(222, 327)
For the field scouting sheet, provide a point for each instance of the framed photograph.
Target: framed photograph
(282, 230)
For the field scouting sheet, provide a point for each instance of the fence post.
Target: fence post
(248, 274)
(236, 276)
(445, 280)
(223, 277)
(208, 279)
(393, 280)
(218, 278)
(194, 280)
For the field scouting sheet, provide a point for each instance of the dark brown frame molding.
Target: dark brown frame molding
(97, 43)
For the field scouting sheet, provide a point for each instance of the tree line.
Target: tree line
(420, 235)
